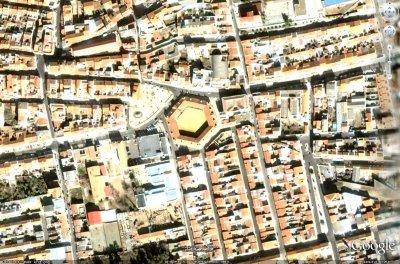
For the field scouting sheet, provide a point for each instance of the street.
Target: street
(310, 162)
(54, 147)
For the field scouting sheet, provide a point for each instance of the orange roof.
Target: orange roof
(94, 218)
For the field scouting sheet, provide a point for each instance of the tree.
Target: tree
(286, 19)
(25, 186)
(81, 170)
(151, 253)
(112, 252)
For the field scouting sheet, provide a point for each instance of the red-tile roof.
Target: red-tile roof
(94, 218)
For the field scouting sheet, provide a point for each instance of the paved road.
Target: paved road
(306, 141)
(239, 43)
(310, 162)
(247, 187)
(216, 216)
(40, 67)
(54, 147)
(173, 88)
(58, 24)
(172, 158)
(66, 202)
(267, 184)
(306, 155)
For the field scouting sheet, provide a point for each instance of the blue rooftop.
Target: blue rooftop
(334, 2)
